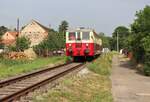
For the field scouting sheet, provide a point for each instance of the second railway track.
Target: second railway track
(14, 88)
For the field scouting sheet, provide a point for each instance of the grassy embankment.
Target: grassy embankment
(15, 67)
(94, 86)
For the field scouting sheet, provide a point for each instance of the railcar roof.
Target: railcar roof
(81, 30)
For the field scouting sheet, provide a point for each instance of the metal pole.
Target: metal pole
(18, 26)
(117, 42)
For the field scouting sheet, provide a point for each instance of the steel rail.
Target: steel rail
(21, 77)
(34, 86)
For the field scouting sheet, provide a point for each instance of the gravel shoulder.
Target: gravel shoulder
(127, 84)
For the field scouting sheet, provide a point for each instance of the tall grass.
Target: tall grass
(102, 65)
(15, 67)
(94, 86)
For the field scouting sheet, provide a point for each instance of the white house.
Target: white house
(35, 32)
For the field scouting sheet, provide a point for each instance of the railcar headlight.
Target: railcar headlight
(87, 44)
(69, 44)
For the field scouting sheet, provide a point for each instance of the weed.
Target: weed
(102, 65)
(93, 87)
(147, 69)
(15, 67)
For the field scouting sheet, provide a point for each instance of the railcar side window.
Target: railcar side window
(72, 36)
(85, 36)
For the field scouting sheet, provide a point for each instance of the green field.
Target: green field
(14, 67)
(94, 86)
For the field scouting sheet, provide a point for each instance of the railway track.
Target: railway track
(14, 88)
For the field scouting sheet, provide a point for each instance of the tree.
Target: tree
(63, 26)
(62, 31)
(123, 33)
(22, 43)
(3, 29)
(106, 41)
(1, 45)
(141, 35)
(52, 43)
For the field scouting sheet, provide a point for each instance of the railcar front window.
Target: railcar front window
(72, 36)
(85, 36)
(78, 36)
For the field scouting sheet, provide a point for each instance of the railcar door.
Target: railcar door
(86, 45)
(78, 43)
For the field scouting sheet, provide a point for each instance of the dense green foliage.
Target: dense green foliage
(53, 42)
(63, 27)
(140, 42)
(106, 41)
(147, 69)
(123, 34)
(141, 35)
(22, 43)
(62, 30)
(3, 29)
(1, 45)
(138, 39)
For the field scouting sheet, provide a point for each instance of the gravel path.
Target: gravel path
(127, 84)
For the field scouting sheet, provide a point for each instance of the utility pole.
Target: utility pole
(18, 26)
(117, 42)
(49, 26)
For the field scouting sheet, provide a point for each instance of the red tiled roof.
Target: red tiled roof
(10, 41)
(13, 33)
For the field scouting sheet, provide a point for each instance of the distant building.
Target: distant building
(9, 38)
(35, 32)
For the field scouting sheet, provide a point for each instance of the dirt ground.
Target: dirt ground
(128, 85)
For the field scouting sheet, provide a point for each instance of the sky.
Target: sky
(101, 15)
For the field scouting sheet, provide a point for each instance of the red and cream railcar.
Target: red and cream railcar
(82, 42)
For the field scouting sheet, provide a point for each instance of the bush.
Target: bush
(12, 48)
(68, 59)
(52, 43)
(1, 46)
(147, 69)
(102, 65)
(140, 43)
(22, 43)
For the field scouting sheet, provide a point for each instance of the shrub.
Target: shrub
(22, 43)
(102, 65)
(52, 43)
(68, 59)
(147, 69)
